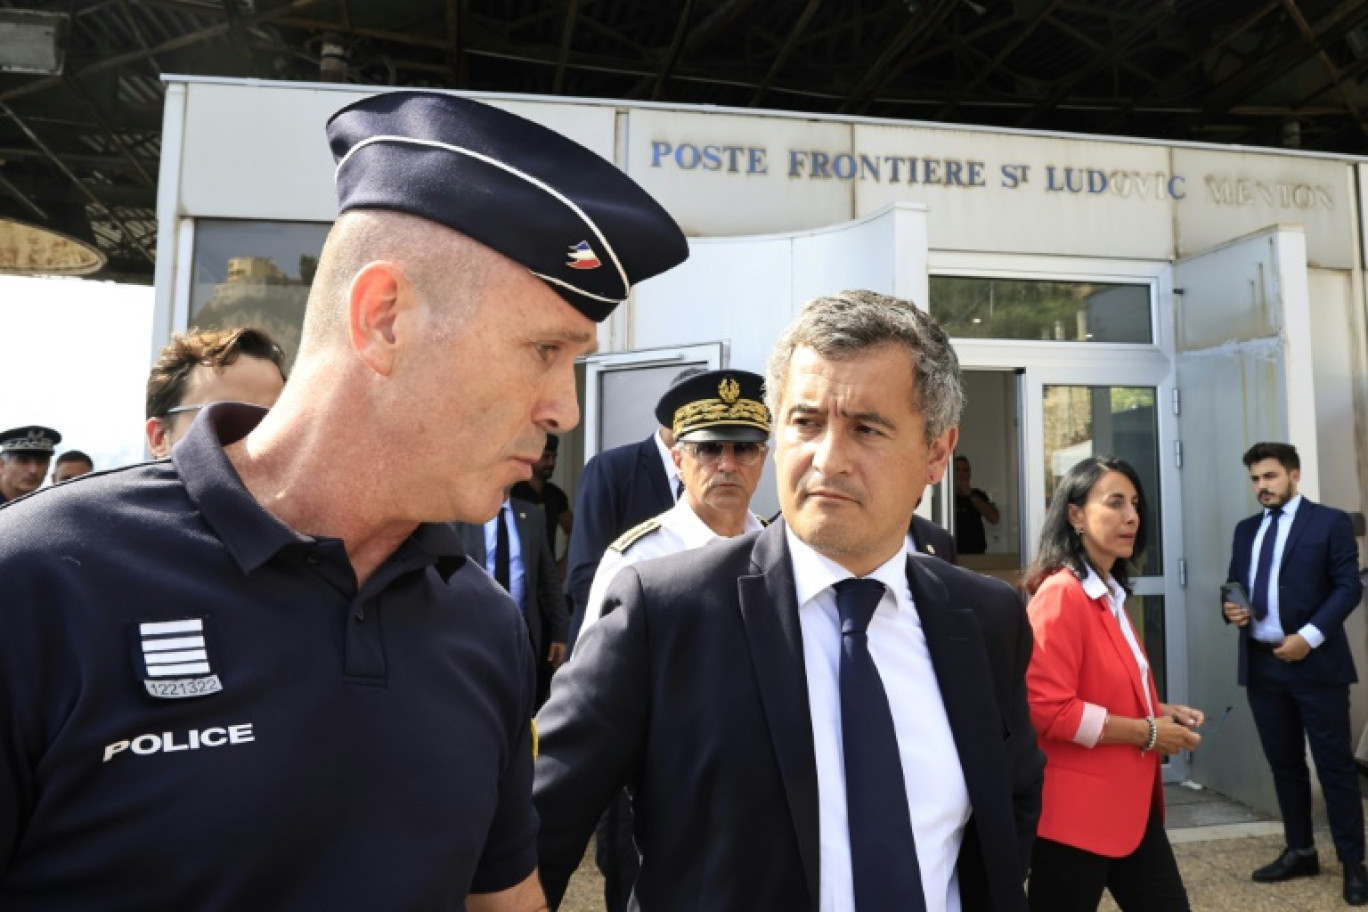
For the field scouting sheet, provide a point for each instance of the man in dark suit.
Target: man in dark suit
(808, 717)
(925, 537)
(1298, 563)
(529, 576)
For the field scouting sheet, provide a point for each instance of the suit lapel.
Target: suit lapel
(649, 462)
(524, 524)
(960, 659)
(1122, 647)
(769, 609)
(1244, 545)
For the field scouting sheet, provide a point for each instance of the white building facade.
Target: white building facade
(1171, 304)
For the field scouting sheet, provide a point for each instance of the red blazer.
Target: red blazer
(1096, 798)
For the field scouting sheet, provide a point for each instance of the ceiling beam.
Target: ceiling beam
(341, 28)
(114, 163)
(999, 58)
(1248, 81)
(1102, 59)
(710, 28)
(1179, 77)
(111, 132)
(23, 199)
(567, 32)
(1309, 35)
(190, 39)
(780, 58)
(920, 23)
(672, 56)
(77, 182)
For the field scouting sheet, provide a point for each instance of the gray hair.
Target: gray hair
(843, 325)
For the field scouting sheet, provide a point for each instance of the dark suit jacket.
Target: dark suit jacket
(1318, 583)
(932, 539)
(543, 605)
(620, 488)
(692, 691)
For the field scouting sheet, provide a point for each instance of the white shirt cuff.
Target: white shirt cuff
(1312, 636)
(1090, 726)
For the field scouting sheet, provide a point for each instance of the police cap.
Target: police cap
(31, 438)
(571, 217)
(716, 405)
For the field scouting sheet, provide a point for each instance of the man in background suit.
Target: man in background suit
(808, 717)
(1298, 561)
(531, 580)
(619, 489)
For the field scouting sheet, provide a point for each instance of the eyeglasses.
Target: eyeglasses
(744, 454)
(180, 409)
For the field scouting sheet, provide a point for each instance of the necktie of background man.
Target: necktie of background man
(501, 548)
(1258, 599)
(883, 852)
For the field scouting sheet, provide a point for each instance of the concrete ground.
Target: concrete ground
(1218, 844)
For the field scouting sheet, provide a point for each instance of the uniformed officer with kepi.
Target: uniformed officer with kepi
(720, 427)
(25, 453)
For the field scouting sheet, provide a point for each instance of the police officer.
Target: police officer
(261, 673)
(25, 453)
(720, 425)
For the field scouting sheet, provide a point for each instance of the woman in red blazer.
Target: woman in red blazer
(1095, 708)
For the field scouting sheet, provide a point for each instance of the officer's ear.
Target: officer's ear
(378, 296)
(156, 438)
(677, 456)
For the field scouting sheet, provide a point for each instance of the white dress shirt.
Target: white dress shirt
(1095, 716)
(680, 529)
(937, 796)
(517, 582)
(1270, 629)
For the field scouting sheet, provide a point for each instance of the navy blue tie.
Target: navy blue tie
(883, 853)
(1258, 599)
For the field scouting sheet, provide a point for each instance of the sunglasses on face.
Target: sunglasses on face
(744, 454)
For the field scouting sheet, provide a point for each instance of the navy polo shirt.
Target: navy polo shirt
(199, 709)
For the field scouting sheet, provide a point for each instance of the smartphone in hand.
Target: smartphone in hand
(1235, 594)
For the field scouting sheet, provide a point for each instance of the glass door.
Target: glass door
(1127, 414)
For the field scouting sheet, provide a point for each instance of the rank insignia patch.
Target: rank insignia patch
(175, 659)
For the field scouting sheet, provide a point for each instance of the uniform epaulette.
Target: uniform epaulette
(761, 519)
(633, 535)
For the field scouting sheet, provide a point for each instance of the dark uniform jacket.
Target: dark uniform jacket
(620, 488)
(692, 691)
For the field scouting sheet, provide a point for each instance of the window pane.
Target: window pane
(1054, 311)
(628, 397)
(255, 274)
(1147, 617)
(1083, 421)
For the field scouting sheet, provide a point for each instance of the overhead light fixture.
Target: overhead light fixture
(33, 42)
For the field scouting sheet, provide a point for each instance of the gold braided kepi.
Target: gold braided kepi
(716, 405)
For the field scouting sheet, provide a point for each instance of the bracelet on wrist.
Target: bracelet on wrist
(1153, 735)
